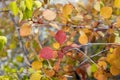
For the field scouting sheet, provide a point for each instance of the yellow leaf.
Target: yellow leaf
(35, 76)
(25, 30)
(36, 65)
(111, 50)
(117, 3)
(56, 45)
(114, 70)
(106, 12)
(67, 9)
(83, 39)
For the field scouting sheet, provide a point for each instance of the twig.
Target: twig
(92, 57)
(4, 11)
(19, 37)
(104, 44)
(84, 55)
(35, 52)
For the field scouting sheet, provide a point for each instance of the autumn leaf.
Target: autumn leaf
(46, 53)
(56, 45)
(117, 22)
(60, 36)
(56, 66)
(60, 54)
(67, 9)
(49, 15)
(117, 3)
(83, 39)
(102, 64)
(36, 65)
(35, 76)
(114, 71)
(25, 30)
(49, 73)
(106, 12)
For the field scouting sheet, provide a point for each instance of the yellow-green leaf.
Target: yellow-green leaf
(29, 4)
(14, 8)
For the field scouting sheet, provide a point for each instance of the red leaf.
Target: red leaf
(66, 48)
(60, 37)
(46, 53)
(60, 54)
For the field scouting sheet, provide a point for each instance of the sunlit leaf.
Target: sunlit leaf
(22, 5)
(117, 3)
(67, 9)
(36, 65)
(56, 45)
(106, 12)
(14, 8)
(83, 39)
(29, 4)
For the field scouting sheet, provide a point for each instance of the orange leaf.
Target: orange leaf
(83, 39)
(25, 30)
(114, 71)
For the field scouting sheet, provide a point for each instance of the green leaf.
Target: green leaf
(3, 40)
(27, 14)
(22, 5)
(20, 15)
(29, 4)
(14, 8)
(93, 68)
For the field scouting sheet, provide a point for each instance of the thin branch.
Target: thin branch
(18, 33)
(20, 39)
(84, 55)
(4, 11)
(104, 44)
(92, 57)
